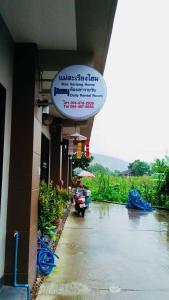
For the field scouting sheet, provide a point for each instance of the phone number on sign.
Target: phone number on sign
(78, 104)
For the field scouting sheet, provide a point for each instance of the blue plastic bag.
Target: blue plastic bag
(136, 202)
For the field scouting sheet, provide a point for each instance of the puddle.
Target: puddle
(64, 289)
(98, 255)
(80, 253)
(114, 289)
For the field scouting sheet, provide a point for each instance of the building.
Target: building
(37, 39)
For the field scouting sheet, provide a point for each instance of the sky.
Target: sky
(134, 122)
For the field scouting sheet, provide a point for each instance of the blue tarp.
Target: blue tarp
(136, 202)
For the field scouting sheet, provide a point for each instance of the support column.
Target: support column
(55, 162)
(22, 213)
(70, 170)
(65, 163)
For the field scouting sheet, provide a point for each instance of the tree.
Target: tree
(160, 165)
(139, 168)
(98, 168)
(82, 163)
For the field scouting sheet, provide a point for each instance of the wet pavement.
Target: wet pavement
(112, 253)
(13, 293)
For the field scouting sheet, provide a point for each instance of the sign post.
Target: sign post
(78, 92)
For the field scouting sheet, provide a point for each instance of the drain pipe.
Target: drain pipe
(27, 286)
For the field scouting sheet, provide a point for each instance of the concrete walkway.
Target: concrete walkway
(112, 253)
(12, 293)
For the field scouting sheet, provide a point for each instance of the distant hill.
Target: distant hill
(110, 162)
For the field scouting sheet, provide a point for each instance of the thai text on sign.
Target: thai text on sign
(78, 92)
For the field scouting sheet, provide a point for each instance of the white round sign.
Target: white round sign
(78, 92)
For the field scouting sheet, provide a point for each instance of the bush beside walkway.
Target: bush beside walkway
(115, 188)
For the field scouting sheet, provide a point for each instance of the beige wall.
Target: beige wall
(6, 73)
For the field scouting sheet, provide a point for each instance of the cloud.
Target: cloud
(134, 122)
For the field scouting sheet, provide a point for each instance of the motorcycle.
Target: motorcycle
(80, 205)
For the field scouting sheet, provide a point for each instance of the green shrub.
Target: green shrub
(115, 189)
(51, 206)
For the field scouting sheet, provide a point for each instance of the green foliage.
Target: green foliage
(163, 188)
(115, 189)
(159, 170)
(139, 168)
(82, 163)
(159, 166)
(154, 188)
(97, 168)
(51, 206)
